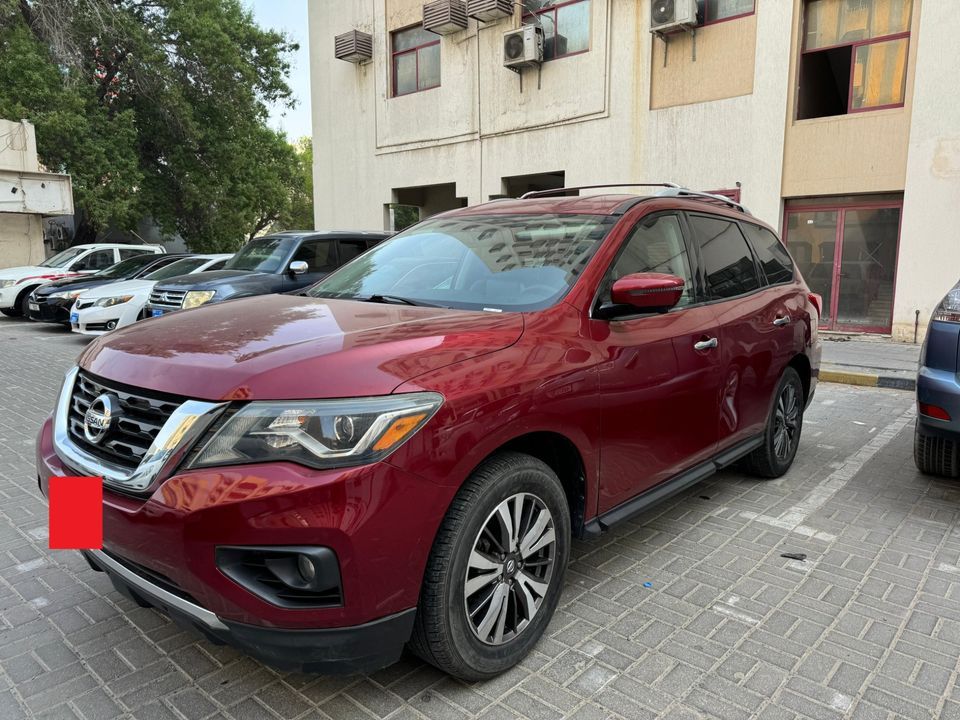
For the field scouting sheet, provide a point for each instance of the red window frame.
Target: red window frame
(706, 7)
(841, 208)
(853, 65)
(552, 10)
(394, 54)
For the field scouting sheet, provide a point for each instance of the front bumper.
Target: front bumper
(940, 388)
(50, 310)
(360, 648)
(93, 320)
(379, 521)
(8, 296)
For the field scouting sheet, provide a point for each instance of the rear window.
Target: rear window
(773, 256)
(728, 263)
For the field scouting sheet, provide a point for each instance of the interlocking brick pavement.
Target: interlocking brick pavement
(867, 627)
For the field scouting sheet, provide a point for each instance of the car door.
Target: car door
(747, 310)
(321, 258)
(659, 377)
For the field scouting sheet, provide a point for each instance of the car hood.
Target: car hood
(210, 280)
(287, 347)
(72, 283)
(33, 271)
(122, 287)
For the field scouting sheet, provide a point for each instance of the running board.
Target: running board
(633, 507)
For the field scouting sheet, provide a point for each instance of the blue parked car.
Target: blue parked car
(936, 447)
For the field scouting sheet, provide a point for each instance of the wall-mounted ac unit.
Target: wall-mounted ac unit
(489, 10)
(353, 46)
(668, 15)
(523, 47)
(445, 17)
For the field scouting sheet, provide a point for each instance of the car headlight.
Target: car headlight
(195, 298)
(8, 283)
(319, 433)
(65, 294)
(111, 301)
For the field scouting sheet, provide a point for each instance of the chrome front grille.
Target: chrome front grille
(131, 433)
(170, 299)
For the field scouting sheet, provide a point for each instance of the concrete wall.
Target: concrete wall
(929, 236)
(715, 145)
(857, 153)
(21, 236)
(479, 125)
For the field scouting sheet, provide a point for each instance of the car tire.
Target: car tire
(11, 312)
(468, 577)
(936, 455)
(782, 434)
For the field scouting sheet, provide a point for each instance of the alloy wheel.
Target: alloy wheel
(786, 428)
(510, 567)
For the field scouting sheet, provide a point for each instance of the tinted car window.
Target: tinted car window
(773, 256)
(727, 261)
(319, 255)
(129, 253)
(180, 267)
(484, 262)
(655, 245)
(261, 255)
(62, 259)
(129, 267)
(349, 249)
(97, 260)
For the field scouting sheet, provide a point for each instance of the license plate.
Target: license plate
(34, 306)
(156, 313)
(74, 318)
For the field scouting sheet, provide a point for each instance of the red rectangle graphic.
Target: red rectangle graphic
(76, 513)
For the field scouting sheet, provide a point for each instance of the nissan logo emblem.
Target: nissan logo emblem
(98, 417)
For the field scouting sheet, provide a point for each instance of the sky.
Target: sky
(290, 16)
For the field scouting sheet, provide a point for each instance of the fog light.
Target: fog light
(111, 325)
(308, 570)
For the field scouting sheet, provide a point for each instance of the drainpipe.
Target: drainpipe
(916, 325)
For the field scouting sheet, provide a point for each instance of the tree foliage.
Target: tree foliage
(155, 109)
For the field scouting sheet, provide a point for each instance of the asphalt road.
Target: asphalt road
(689, 611)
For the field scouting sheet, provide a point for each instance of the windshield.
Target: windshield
(62, 259)
(180, 267)
(505, 262)
(127, 268)
(261, 255)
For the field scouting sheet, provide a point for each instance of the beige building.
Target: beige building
(27, 195)
(836, 121)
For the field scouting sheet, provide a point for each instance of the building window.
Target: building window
(416, 60)
(713, 11)
(565, 23)
(854, 56)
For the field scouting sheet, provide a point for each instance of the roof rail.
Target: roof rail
(713, 197)
(564, 190)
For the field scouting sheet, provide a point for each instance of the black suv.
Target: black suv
(52, 302)
(280, 263)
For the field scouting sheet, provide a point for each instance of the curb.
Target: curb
(868, 379)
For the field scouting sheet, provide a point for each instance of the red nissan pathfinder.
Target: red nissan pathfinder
(403, 456)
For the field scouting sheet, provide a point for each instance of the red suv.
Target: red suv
(404, 455)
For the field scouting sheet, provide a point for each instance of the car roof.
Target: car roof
(610, 204)
(329, 233)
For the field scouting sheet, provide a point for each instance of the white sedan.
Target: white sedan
(108, 307)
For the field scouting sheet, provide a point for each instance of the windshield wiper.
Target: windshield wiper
(397, 300)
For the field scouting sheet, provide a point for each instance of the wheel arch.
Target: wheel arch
(801, 363)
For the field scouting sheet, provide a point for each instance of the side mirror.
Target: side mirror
(298, 267)
(648, 291)
(79, 265)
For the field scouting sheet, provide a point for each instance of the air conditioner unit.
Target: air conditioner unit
(489, 10)
(445, 17)
(668, 15)
(353, 46)
(523, 47)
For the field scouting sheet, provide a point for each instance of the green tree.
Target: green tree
(156, 109)
(299, 215)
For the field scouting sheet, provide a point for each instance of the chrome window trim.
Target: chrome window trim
(157, 593)
(181, 430)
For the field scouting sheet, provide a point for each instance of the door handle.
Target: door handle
(708, 344)
(781, 321)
